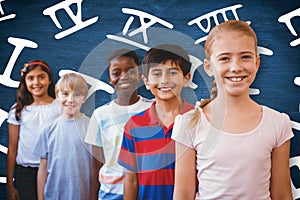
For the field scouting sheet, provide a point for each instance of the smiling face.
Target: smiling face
(233, 63)
(166, 80)
(71, 102)
(71, 91)
(124, 76)
(37, 82)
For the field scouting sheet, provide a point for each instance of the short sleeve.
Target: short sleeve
(285, 132)
(127, 156)
(93, 134)
(11, 119)
(181, 133)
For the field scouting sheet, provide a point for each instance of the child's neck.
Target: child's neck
(127, 100)
(44, 100)
(74, 116)
(232, 104)
(234, 116)
(167, 110)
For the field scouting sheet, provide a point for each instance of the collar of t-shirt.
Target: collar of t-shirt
(154, 120)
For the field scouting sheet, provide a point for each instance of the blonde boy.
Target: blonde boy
(64, 170)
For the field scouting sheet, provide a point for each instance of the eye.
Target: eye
(42, 77)
(157, 74)
(115, 74)
(247, 57)
(29, 78)
(64, 94)
(173, 72)
(223, 58)
(132, 72)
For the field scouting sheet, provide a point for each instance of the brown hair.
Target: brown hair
(23, 96)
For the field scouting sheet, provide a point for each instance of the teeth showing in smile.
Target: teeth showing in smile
(236, 79)
(165, 89)
(36, 89)
(124, 85)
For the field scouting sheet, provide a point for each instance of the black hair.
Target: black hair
(160, 54)
(122, 52)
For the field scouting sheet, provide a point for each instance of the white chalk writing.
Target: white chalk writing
(5, 17)
(77, 19)
(287, 20)
(5, 78)
(295, 161)
(144, 25)
(3, 116)
(213, 14)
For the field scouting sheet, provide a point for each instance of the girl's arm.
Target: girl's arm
(42, 178)
(13, 135)
(97, 163)
(131, 186)
(280, 187)
(185, 173)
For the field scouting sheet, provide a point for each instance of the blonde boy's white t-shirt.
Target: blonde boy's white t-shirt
(106, 130)
(234, 166)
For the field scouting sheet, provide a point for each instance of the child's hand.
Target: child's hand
(12, 193)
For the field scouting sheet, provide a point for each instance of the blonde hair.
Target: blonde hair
(213, 36)
(73, 81)
(231, 25)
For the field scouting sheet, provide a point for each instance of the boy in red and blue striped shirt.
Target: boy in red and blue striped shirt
(148, 152)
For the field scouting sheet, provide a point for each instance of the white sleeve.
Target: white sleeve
(285, 132)
(181, 133)
(93, 134)
(11, 118)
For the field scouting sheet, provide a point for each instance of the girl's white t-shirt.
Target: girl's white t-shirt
(33, 119)
(234, 166)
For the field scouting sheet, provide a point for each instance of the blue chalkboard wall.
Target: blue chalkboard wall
(81, 40)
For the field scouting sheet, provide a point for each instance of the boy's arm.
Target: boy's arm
(13, 133)
(41, 178)
(97, 163)
(131, 186)
(127, 159)
(280, 186)
(185, 173)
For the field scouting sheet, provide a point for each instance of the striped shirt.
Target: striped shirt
(147, 149)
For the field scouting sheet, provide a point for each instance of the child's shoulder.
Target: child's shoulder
(141, 114)
(85, 118)
(51, 126)
(141, 118)
(272, 112)
(187, 116)
(187, 107)
(146, 100)
(275, 116)
(104, 107)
